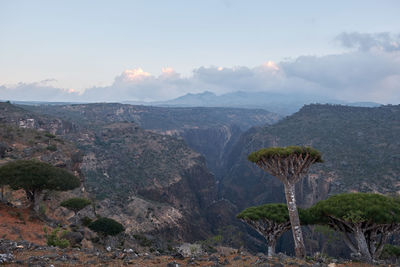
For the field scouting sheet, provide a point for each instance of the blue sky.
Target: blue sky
(84, 45)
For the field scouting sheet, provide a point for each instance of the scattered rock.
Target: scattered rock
(282, 256)
(236, 258)
(178, 256)
(8, 257)
(74, 238)
(224, 262)
(173, 264)
(87, 244)
(213, 258)
(190, 250)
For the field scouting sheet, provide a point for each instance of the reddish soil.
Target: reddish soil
(17, 224)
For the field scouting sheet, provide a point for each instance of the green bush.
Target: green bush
(49, 135)
(86, 221)
(390, 252)
(143, 241)
(54, 239)
(52, 148)
(75, 204)
(106, 226)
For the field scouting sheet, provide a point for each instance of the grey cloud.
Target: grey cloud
(36, 92)
(367, 41)
(372, 76)
(355, 69)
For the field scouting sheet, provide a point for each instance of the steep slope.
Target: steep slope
(20, 140)
(360, 147)
(209, 131)
(151, 183)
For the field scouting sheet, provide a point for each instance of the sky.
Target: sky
(157, 50)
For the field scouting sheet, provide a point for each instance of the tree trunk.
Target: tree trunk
(362, 245)
(271, 247)
(32, 196)
(294, 220)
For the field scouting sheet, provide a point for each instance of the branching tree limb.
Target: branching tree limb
(288, 164)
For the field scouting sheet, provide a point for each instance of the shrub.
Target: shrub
(86, 221)
(390, 252)
(52, 148)
(49, 135)
(56, 240)
(75, 204)
(106, 226)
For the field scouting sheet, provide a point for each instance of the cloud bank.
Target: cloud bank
(368, 71)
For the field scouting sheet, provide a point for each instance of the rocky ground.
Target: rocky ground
(23, 243)
(24, 253)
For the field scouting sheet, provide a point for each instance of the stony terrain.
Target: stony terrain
(28, 254)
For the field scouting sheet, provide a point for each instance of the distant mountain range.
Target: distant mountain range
(284, 104)
(280, 103)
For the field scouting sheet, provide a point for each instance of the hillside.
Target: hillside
(209, 131)
(360, 147)
(152, 182)
(147, 181)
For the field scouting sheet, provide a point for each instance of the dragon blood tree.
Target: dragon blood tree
(288, 164)
(35, 176)
(366, 220)
(269, 220)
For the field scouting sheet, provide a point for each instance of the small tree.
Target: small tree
(106, 226)
(269, 220)
(366, 220)
(75, 204)
(288, 164)
(34, 176)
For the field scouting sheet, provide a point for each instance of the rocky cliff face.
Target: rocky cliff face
(359, 146)
(211, 132)
(151, 183)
